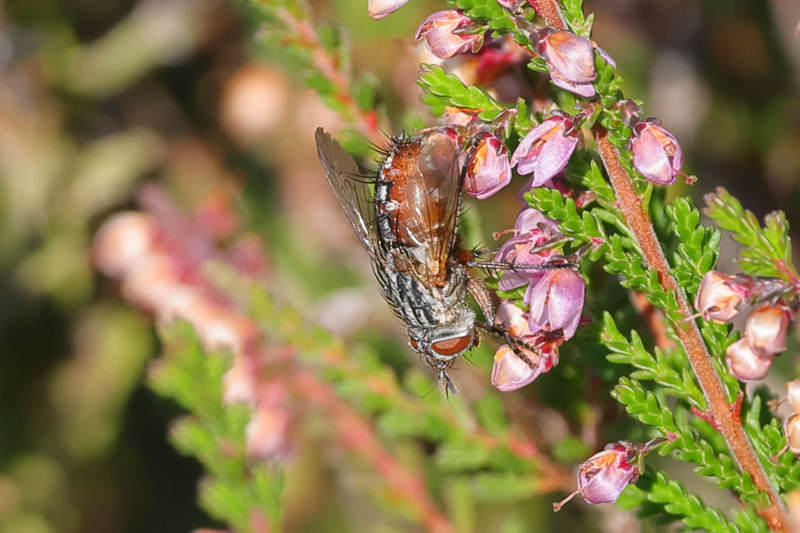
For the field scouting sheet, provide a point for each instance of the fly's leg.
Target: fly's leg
(513, 342)
(484, 297)
(572, 261)
(446, 385)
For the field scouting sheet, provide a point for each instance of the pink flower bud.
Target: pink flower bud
(546, 149)
(441, 37)
(793, 394)
(556, 301)
(765, 329)
(603, 477)
(122, 241)
(793, 433)
(379, 9)
(720, 295)
(745, 364)
(570, 60)
(488, 169)
(656, 153)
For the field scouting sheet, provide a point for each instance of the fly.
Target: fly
(407, 218)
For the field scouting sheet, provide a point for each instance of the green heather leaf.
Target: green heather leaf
(448, 90)
(678, 501)
(768, 250)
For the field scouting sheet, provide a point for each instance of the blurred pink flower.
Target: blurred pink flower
(656, 153)
(379, 9)
(122, 240)
(488, 169)
(793, 394)
(443, 37)
(546, 149)
(556, 301)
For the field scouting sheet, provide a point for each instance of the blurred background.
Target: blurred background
(98, 98)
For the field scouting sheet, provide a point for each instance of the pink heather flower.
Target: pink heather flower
(532, 229)
(720, 295)
(441, 37)
(570, 60)
(765, 329)
(603, 476)
(512, 319)
(488, 169)
(511, 372)
(379, 9)
(556, 301)
(745, 364)
(546, 149)
(656, 153)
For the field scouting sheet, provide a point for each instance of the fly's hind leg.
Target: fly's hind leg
(484, 297)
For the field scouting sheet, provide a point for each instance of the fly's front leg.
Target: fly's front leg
(514, 343)
(484, 297)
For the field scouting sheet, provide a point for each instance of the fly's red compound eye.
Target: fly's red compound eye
(452, 346)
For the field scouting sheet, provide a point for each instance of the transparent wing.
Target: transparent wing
(355, 195)
(433, 197)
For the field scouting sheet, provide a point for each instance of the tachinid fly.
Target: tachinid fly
(407, 218)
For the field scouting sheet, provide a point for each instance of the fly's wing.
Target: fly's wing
(433, 196)
(354, 195)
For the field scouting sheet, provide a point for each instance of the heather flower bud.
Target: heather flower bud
(488, 169)
(570, 60)
(765, 329)
(603, 477)
(656, 153)
(793, 433)
(720, 295)
(442, 38)
(556, 301)
(546, 149)
(793, 394)
(379, 9)
(745, 364)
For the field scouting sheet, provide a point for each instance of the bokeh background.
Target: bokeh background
(98, 98)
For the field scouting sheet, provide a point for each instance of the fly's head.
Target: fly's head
(441, 345)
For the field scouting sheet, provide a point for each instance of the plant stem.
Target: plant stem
(727, 419)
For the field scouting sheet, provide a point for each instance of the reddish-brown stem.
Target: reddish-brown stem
(551, 12)
(630, 206)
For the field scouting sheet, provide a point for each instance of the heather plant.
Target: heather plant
(636, 312)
